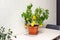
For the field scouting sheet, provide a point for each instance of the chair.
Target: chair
(59, 27)
(57, 38)
(52, 26)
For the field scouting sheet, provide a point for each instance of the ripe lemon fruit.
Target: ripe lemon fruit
(34, 17)
(33, 23)
(25, 26)
(41, 25)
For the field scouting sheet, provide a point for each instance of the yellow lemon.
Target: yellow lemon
(34, 17)
(32, 24)
(27, 18)
(25, 26)
(41, 25)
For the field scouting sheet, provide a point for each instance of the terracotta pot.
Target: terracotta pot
(33, 30)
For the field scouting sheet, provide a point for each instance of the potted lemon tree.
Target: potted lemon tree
(34, 20)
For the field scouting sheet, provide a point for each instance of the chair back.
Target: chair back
(52, 26)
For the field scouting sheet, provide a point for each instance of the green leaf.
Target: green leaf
(0, 36)
(8, 36)
(29, 6)
(15, 36)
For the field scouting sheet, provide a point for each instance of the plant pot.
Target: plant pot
(33, 30)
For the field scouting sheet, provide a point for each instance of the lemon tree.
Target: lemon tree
(35, 18)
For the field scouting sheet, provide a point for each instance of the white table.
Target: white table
(44, 34)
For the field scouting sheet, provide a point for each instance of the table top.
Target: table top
(44, 34)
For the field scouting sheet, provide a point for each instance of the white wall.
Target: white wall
(10, 12)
